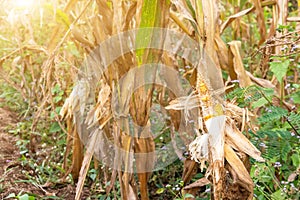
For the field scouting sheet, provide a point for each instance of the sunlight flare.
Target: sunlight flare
(23, 3)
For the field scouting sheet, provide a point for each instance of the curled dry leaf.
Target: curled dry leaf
(197, 184)
(240, 142)
(233, 17)
(261, 82)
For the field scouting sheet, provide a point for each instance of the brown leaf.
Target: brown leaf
(260, 20)
(79, 37)
(107, 16)
(183, 10)
(86, 163)
(222, 51)
(233, 17)
(238, 167)
(180, 23)
(261, 82)
(77, 156)
(237, 69)
(197, 184)
(189, 170)
(144, 149)
(240, 142)
(129, 15)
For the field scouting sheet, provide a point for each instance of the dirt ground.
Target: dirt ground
(12, 179)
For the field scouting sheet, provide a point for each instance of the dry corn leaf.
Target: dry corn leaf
(210, 11)
(106, 16)
(117, 17)
(222, 51)
(274, 22)
(260, 20)
(236, 110)
(200, 20)
(241, 142)
(261, 82)
(86, 162)
(56, 32)
(197, 184)
(127, 144)
(79, 37)
(238, 67)
(180, 23)
(122, 95)
(183, 10)
(184, 103)
(77, 155)
(238, 167)
(131, 12)
(233, 17)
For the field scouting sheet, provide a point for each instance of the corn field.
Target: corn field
(107, 74)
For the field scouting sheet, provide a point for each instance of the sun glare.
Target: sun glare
(23, 3)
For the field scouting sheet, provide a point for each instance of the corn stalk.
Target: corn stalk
(216, 145)
(221, 140)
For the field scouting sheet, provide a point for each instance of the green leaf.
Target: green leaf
(61, 17)
(144, 35)
(296, 97)
(260, 102)
(57, 109)
(93, 176)
(11, 195)
(278, 195)
(26, 197)
(274, 114)
(152, 14)
(279, 69)
(160, 190)
(54, 128)
(188, 196)
(102, 197)
(267, 91)
(56, 89)
(296, 159)
(57, 99)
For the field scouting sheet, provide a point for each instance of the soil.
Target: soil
(12, 176)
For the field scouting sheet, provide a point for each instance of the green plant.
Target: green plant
(278, 139)
(20, 196)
